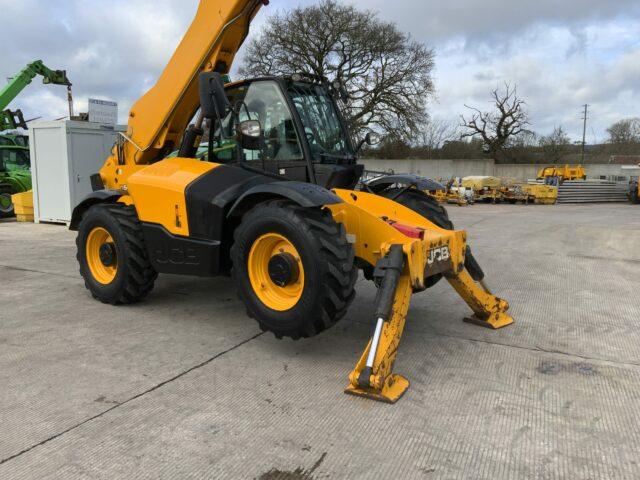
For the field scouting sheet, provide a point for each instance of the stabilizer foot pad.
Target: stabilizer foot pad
(393, 389)
(494, 322)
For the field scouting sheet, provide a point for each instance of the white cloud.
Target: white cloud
(560, 54)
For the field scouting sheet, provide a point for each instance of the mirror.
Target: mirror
(213, 100)
(249, 134)
(372, 138)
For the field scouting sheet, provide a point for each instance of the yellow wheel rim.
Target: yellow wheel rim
(101, 272)
(273, 296)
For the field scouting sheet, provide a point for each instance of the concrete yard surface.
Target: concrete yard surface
(184, 385)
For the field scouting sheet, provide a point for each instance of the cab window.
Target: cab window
(328, 140)
(262, 101)
(12, 160)
(22, 141)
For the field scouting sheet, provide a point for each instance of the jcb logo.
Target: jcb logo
(440, 254)
(176, 256)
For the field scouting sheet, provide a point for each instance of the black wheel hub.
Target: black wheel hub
(283, 269)
(108, 254)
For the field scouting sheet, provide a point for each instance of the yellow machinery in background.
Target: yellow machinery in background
(485, 188)
(273, 204)
(513, 191)
(542, 194)
(497, 190)
(452, 197)
(452, 194)
(566, 172)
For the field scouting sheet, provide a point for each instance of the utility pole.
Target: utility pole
(584, 130)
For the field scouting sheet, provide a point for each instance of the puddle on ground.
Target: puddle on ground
(554, 368)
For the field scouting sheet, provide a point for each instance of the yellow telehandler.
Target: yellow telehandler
(273, 203)
(556, 175)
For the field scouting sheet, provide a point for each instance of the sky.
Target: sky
(560, 54)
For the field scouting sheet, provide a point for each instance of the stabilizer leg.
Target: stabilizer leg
(373, 378)
(488, 310)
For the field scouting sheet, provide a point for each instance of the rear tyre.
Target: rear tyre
(112, 255)
(426, 206)
(6, 204)
(293, 268)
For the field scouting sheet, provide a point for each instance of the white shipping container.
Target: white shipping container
(64, 155)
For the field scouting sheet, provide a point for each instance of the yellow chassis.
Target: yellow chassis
(368, 220)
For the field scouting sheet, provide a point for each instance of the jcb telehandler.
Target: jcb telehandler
(273, 204)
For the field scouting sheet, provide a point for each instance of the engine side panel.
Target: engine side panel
(158, 192)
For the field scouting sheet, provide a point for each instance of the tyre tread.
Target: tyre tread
(140, 277)
(338, 278)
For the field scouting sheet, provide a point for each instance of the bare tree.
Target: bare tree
(497, 128)
(386, 73)
(625, 131)
(525, 139)
(555, 145)
(433, 135)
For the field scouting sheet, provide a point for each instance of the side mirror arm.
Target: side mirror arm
(370, 138)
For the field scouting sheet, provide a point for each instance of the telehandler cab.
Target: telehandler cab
(273, 204)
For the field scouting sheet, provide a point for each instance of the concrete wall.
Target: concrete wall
(517, 171)
(463, 168)
(433, 168)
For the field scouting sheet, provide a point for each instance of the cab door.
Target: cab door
(280, 152)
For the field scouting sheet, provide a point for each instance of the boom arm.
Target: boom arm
(9, 119)
(24, 78)
(159, 118)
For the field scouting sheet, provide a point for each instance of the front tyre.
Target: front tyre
(112, 254)
(6, 203)
(293, 268)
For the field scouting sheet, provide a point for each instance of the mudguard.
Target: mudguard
(99, 196)
(409, 180)
(18, 183)
(304, 194)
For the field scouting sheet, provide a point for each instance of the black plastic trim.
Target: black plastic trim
(99, 196)
(304, 194)
(211, 195)
(96, 182)
(178, 255)
(338, 176)
(421, 183)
